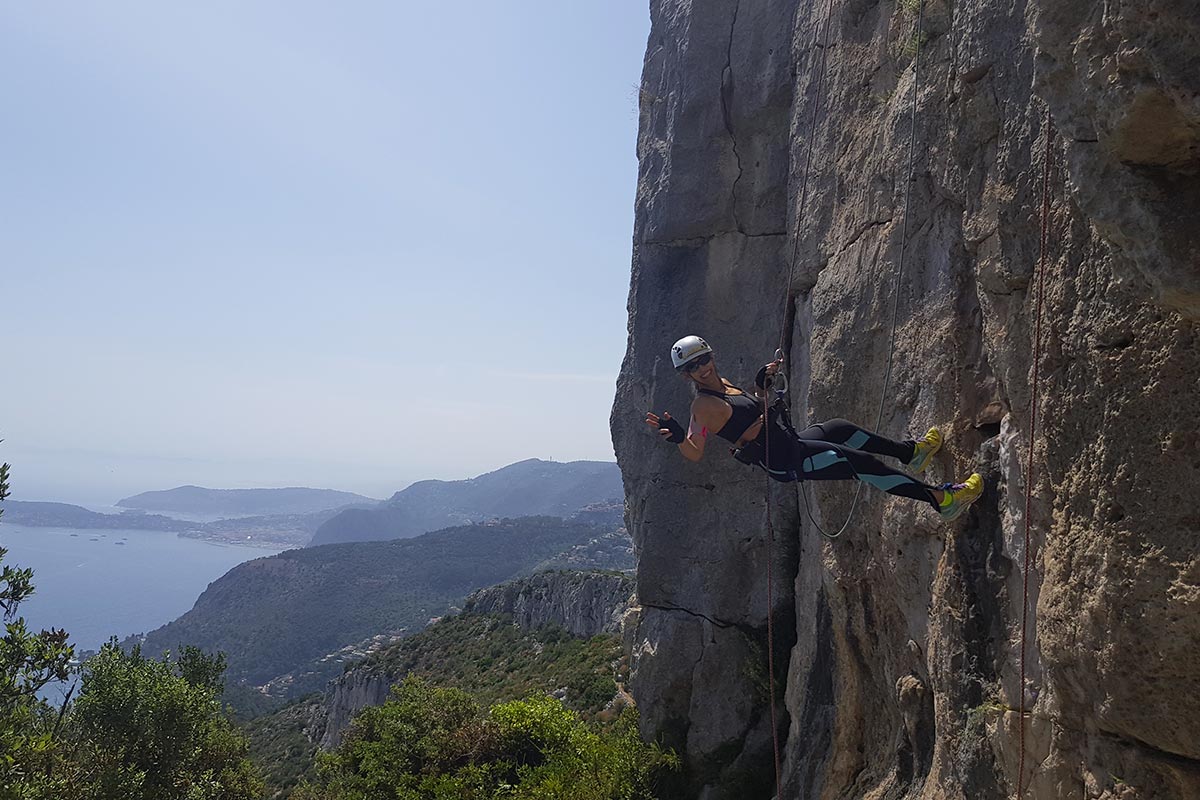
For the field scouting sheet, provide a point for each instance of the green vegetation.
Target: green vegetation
(145, 729)
(483, 655)
(428, 743)
(495, 661)
(28, 661)
(282, 746)
(139, 730)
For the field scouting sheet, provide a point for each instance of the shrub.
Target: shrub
(430, 743)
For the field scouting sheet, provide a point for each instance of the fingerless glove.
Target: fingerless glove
(678, 434)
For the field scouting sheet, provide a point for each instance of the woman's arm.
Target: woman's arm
(692, 447)
(692, 444)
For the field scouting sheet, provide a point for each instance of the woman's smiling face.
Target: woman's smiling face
(700, 369)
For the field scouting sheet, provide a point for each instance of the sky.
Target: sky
(346, 245)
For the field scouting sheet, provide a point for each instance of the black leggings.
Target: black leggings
(837, 450)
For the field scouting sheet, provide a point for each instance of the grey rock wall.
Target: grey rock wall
(899, 652)
(345, 696)
(584, 604)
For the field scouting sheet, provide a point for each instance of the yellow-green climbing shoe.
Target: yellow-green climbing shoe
(926, 449)
(960, 495)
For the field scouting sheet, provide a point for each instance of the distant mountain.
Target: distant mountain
(244, 502)
(293, 614)
(526, 488)
(65, 515)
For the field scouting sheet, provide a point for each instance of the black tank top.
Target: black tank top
(746, 411)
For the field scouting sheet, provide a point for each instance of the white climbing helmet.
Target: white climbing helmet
(687, 348)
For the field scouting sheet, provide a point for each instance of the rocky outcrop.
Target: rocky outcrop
(347, 695)
(899, 655)
(582, 603)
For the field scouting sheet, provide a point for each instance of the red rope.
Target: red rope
(1033, 402)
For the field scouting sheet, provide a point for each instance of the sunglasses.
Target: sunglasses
(697, 363)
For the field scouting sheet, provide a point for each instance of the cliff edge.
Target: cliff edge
(899, 643)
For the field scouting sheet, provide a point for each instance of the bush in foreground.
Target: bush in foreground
(428, 743)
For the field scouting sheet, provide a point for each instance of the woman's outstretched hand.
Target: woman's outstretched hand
(668, 428)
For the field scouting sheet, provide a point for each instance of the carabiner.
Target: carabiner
(779, 380)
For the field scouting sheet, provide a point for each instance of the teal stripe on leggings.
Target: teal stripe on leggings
(821, 461)
(856, 441)
(885, 482)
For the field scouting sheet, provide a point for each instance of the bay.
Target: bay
(102, 583)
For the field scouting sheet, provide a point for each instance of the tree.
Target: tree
(428, 743)
(141, 729)
(28, 662)
(146, 729)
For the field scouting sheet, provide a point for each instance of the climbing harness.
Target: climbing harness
(1033, 405)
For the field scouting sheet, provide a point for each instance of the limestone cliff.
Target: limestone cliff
(582, 603)
(899, 642)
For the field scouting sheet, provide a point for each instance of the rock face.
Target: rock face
(352, 692)
(582, 603)
(898, 643)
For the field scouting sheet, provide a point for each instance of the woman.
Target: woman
(830, 451)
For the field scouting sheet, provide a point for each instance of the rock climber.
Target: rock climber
(834, 450)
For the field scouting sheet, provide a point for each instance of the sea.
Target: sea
(102, 583)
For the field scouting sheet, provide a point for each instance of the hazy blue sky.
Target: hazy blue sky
(347, 245)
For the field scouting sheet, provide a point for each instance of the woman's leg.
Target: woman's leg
(828, 461)
(846, 433)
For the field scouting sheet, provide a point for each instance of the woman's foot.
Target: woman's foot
(924, 451)
(957, 496)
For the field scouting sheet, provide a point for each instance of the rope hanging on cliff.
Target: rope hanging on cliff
(1033, 405)
(899, 271)
(766, 410)
(788, 299)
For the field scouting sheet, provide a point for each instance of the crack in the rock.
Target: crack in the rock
(687, 241)
(696, 614)
(727, 113)
(859, 234)
(1133, 741)
(658, 480)
(698, 240)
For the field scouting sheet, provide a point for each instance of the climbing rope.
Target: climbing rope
(1033, 404)
(801, 489)
(787, 300)
(812, 130)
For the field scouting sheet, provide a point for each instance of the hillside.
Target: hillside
(275, 531)
(243, 502)
(493, 655)
(484, 655)
(526, 488)
(65, 515)
(292, 613)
